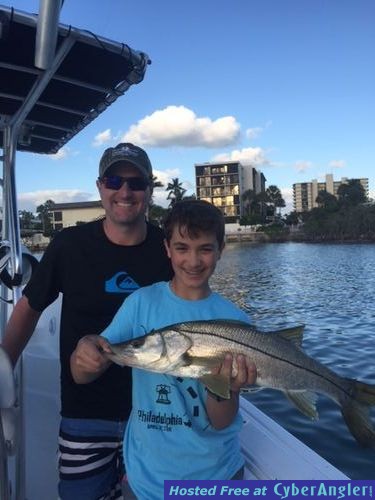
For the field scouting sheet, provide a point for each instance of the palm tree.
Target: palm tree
(26, 219)
(44, 212)
(249, 198)
(156, 183)
(175, 191)
(261, 201)
(275, 198)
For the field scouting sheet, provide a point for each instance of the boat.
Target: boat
(47, 96)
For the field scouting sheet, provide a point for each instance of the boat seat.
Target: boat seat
(8, 412)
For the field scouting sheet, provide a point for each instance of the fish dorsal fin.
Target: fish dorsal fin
(305, 402)
(217, 384)
(294, 334)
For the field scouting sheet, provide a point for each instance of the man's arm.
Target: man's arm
(88, 361)
(222, 413)
(19, 329)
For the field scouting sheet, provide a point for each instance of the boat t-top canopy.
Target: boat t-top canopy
(54, 80)
(86, 75)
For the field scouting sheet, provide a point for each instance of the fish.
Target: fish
(196, 348)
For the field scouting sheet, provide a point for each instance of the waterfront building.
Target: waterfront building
(305, 193)
(223, 183)
(68, 214)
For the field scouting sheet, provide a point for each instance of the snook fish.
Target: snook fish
(195, 348)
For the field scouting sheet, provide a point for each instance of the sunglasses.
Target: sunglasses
(116, 182)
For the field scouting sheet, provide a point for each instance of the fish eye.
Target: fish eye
(138, 343)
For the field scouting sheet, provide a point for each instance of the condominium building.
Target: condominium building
(223, 184)
(68, 214)
(305, 193)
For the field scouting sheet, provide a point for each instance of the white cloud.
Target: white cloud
(337, 164)
(252, 156)
(302, 166)
(29, 201)
(253, 133)
(159, 197)
(164, 176)
(179, 126)
(287, 194)
(61, 154)
(102, 138)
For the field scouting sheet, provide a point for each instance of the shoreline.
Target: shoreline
(262, 237)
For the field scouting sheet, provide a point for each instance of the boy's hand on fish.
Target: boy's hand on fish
(245, 374)
(89, 354)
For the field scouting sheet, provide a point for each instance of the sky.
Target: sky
(287, 86)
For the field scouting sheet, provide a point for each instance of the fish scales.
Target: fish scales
(196, 349)
(238, 338)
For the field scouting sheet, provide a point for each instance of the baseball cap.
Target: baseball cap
(125, 151)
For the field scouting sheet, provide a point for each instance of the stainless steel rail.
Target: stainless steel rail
(7, 399)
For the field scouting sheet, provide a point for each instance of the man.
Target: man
(95, 266)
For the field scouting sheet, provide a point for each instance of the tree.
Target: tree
(261, 204)
(156, 183)
(45, 215)
(26, 219)
(292, 219)
(351, 193)
(327, 200)
(250, 220)
(275, 198)
(175, 191)
(190, 197)
(249, 198)
(157, 214)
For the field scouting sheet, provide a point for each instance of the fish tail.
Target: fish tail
(356, 413)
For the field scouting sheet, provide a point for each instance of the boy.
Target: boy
(177, 429)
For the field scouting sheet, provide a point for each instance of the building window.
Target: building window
(57, 216)
(58, 226)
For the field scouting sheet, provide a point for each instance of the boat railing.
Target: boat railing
(8, 417)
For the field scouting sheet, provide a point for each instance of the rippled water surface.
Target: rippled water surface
(331, 289)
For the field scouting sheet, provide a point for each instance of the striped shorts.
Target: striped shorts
(90, 459)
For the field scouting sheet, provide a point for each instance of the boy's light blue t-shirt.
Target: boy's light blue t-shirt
(168, 435)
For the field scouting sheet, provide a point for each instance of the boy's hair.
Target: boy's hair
(196, 216)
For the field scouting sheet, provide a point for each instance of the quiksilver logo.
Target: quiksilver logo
(121, 282)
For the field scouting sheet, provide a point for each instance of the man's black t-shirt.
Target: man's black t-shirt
(94, 276)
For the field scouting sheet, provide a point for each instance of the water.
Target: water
(331, 289)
